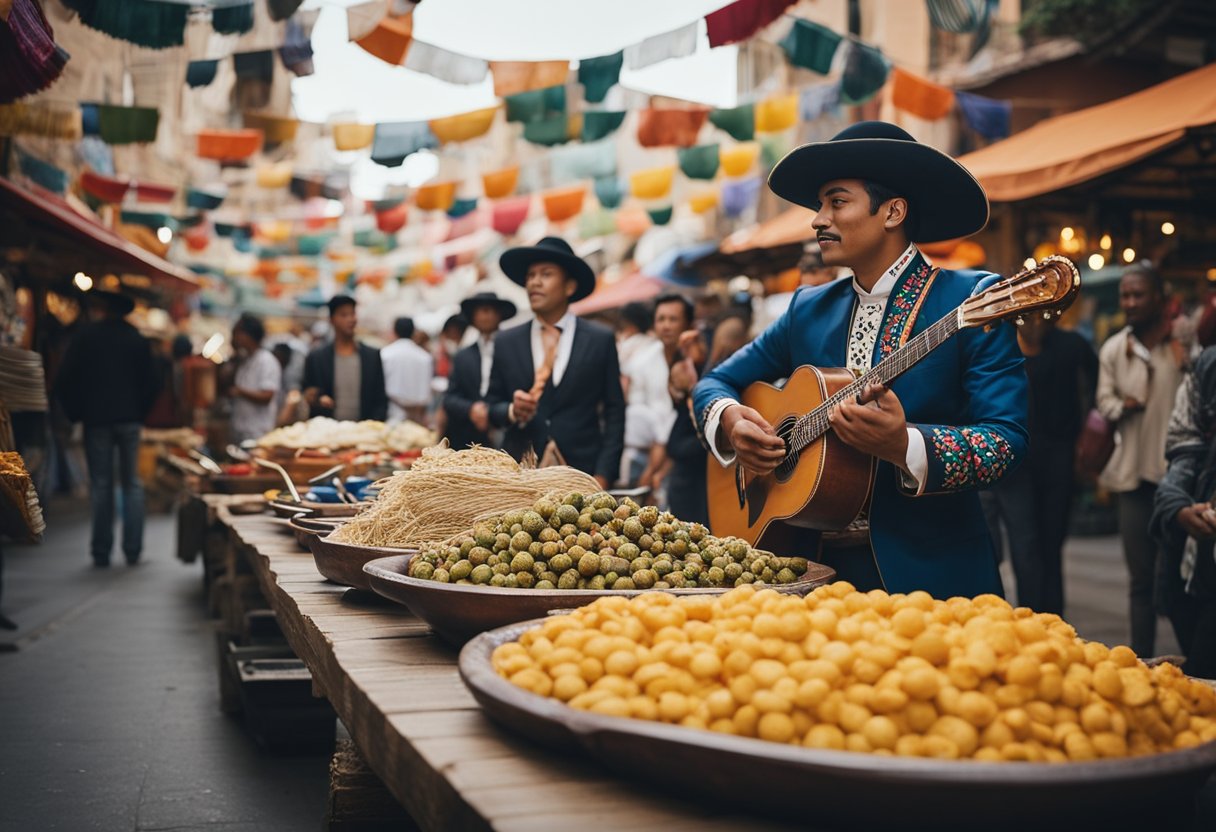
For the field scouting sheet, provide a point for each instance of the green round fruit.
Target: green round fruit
(633, 528)
(423, 570)
(716, 575)
(481, 574)
(545, 508)
(461, 570)
(544, 585)
(646, 542)
(521, 541)
(441, 575)
(588, 565)
(596, 582)
(645, 579)
(559, 563)
(479, 555)
(526, 580)
(624, 583)
(663, 567)
(502, 540)
(522, 562)
(512, 580)
(568, 514)
(532, 522)
(535, 549)
(733, 571)
(629, 551)
(501, 568)
(498, 580)
(568, 579)
(746, 578)
(639, 563)
(785, 576)
(585, 541)
(483, 535)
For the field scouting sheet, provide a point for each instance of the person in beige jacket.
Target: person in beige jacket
(1140, 369)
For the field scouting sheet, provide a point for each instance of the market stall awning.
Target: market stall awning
(790, 227)
(1073, 148)
(632, 287)
(92, 244)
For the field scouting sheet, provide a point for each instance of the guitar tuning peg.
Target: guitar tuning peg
(1019, 320)
(1048, 314)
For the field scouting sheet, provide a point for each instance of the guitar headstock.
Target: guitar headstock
(1046, 288)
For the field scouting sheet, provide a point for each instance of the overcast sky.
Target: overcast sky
(350, 82)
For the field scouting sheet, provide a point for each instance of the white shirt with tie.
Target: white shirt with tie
(561, 360)
(485, 346)
(863, 335)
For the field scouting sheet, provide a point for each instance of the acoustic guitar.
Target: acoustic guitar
(823, 484)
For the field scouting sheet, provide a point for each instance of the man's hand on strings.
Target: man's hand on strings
(873, 423)
(760, 450)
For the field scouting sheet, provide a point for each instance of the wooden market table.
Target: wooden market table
(396, 688)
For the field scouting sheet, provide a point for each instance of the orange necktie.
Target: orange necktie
(550, 335)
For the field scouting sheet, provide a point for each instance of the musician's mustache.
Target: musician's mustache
(822, 237)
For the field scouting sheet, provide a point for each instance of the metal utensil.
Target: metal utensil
(343, 494)
(320, 478)
(274, 466)
(209, 464)
(238, 453)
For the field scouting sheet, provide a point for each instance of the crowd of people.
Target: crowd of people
(644, 403)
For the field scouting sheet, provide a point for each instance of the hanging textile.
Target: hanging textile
(463, 126)
(550, 131)
(254, 66)
(232, 20)
(865, 73)
(444, 65)
(435, 196)
(584, 161)
(597, 223)
(393, 142)
(127, 125)
(143, 22)
(738, 160)
(461, 207)
(919, 96)
(703, 201)
(959, 16)
(597, 124)
(738, 122)
(353, 136)
(361, 19)
(816, 101)
(700, 162)
(296, 51)
(42, 173)
(562, 204)
(228, 145)
(662, 128)
(96, 154)
(393, 219)
(509, 214)
(536, 104)
(654, 183)
(499, 183)
(633, 221)
(811, 46)
(678, 43)
(774, 146)
(90, 120)
(598, 75)
(511, 77)
(205, 199)
(609, 191)
(40, 119)
(283, 9)
(276, 175)
(742, 19)
(660, 216)
(739, 195)
(777, 113)
(201, 73)
(986, 116)
(30, 60)
(275, 129)
(390, 40)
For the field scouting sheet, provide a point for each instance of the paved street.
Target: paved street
(109, 707)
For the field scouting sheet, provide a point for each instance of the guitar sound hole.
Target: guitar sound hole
(785, 470)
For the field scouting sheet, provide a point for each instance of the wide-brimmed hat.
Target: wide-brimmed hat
(505, 308)
(120, 304)
(945, 201)
(516, 261)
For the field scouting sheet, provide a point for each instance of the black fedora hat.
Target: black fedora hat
(505, 308)
(945, 200)
(116, 302)
(515, 263)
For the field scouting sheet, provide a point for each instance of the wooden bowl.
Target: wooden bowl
(304, 526)
(457, 612)
(343, 563)
(841, 789)
(290, 508)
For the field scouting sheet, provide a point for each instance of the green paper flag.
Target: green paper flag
(609, 191)
(865, 72)
(811, 46)
(548, 131)
(599, 223)
(660, 216)
(597, 124)
(536, 104)
(127, 125)
(738, 122)
(700, 162)
(461, 207)
(598, 75)
(773, 147)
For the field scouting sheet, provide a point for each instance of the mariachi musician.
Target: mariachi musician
(952, 423)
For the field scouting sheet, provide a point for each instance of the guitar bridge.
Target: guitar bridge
(740, 486)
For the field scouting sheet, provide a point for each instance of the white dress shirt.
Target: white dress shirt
(485, 346)
(649, 413)
(408, 370)
(863, 334)
(565, 345)
(259, 372)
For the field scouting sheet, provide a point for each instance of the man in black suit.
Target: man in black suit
(344, 378)
(556, 380)
(464, 403)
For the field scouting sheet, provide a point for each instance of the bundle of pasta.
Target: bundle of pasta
(20, 511)
(447, 491)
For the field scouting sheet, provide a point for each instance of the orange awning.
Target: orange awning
(1073, 148)
(788, 227)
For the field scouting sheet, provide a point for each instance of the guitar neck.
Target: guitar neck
(815, 424)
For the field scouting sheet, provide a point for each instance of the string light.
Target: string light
(164, 234)
(1167, 228)
(1067, 233)
(1028, 263)
(83, 282)
(1105, 242)
(1096, 261)
(1129, 254)
(1212, 275)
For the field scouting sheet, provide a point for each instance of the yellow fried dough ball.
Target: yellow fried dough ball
(841, 670)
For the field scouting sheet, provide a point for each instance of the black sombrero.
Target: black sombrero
(120, 304)
(505, 308)
(515, 263)
(945, 200)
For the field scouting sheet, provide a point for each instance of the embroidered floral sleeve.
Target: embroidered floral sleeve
(965, 457)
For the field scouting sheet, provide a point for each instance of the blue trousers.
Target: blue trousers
(101, 444)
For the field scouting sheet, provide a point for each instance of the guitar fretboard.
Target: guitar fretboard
(815, 424)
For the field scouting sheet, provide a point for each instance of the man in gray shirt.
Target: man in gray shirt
(344, 378)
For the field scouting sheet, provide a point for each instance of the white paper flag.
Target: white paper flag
(363, 18)
(677, 43)
(444, 65)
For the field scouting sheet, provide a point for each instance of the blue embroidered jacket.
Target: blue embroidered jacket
(967, 397)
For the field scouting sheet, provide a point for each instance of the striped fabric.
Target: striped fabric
(960, 16)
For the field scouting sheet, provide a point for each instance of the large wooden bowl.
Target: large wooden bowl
(304, 526)
(846, 790)
(343, 563)
(457, 612)
(287, 507)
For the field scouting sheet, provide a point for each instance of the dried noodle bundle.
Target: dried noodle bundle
(446, 491)
(20, 512)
